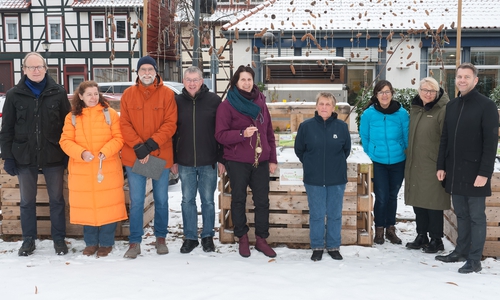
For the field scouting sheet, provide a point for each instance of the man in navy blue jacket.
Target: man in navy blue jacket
(465, 163)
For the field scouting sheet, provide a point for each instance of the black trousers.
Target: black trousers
(429, 221)
(242, 175)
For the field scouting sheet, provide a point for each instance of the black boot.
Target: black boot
(420, 242)
(434, 246)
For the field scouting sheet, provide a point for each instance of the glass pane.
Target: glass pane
(121, 30)
(448, 55)
(356, 80)
(488, 80)
(55, 32)
(99, 29)
(485, 57)
(12, 31)
(446, 80)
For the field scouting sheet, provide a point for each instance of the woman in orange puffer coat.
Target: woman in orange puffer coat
(89, 135)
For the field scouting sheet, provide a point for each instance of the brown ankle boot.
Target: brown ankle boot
(390, 234)
(379, 235)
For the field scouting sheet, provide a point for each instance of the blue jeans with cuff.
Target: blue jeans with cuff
(202, 179)
(103, 236)
(325, 215)
(137, 190)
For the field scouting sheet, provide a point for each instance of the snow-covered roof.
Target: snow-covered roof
(14, 4)
(107, 3)
(310, 15)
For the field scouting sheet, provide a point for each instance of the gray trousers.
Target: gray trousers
(471, 223)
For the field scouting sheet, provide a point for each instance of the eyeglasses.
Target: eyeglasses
(147, 70)
(189, 80)
(381, 93)
(430, 92)
(33, 68)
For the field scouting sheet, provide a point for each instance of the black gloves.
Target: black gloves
(152, 145)
(141, 151)
(10, 166)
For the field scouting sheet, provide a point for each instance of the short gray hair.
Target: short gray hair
(193, 69)
(326, 95)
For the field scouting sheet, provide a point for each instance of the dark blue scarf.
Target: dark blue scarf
(242, 104)
(36, 87)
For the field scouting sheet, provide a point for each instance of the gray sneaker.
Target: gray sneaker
(133, 250)
(161, 246)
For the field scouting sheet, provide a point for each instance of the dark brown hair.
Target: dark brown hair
(78, 103)
(378, 87)
(236, 76)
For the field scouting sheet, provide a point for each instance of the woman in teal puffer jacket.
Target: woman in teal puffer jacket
(384, 135)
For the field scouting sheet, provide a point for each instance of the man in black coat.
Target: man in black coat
(465, 163)
(33, 118)
(196, 153)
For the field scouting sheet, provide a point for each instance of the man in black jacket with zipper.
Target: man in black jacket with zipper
(33, 118)
(465, 163)
(196, 153)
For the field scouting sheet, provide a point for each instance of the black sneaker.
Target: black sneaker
(60, 247)
(317, 255)
(189, 245)
(27, 247)
(208, 244)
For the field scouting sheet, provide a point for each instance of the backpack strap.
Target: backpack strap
(73, 120)
(107, 116)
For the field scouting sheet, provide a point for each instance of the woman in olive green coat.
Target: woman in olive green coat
(422, 189)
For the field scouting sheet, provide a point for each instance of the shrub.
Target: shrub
(495, 96)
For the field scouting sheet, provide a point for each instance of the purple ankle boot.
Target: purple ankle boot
(262, 246)
(244, 246)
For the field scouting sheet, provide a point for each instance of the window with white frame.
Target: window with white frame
(98, 28)
(55, 29)
(107, 74)
(12, 29)
(121, 33)
(487, 61)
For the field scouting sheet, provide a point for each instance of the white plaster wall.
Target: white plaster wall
(240, 56)
(397, 72)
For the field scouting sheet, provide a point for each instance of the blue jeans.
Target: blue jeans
(137, 190)
(325, 201)
(103, 235)
(471, 225)
(387, 180)
(203, 180)
(28, 178)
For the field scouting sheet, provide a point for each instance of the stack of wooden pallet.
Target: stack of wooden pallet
(11, 199)
(492, 245)
(289, 211)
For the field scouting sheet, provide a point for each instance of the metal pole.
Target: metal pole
(458, 53)
(196, 33)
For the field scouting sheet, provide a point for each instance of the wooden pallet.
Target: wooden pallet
(492, 244)
(10, 206)
(289, 211)
(289, 115)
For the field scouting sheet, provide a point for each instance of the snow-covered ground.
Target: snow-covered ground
(379, 272)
